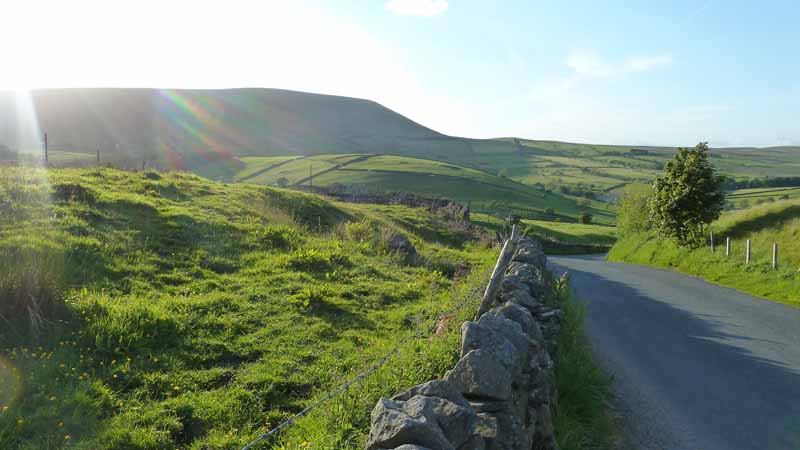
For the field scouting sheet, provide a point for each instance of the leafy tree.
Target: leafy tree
(585, 217)
(688, 197)
(632, 213)
(282, 182)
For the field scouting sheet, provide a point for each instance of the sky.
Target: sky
(628, 72)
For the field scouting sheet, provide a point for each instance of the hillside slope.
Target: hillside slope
(484, 191)
(204, 130)
(182, 313)
(776, 222)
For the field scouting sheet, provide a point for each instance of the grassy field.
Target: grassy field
(560, 237)
(774, 222)
(182, 313)
(485, 191)
(744, 198)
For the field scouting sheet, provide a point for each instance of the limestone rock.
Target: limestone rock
(430, 422)
(475, 336)
(392, 426)
(400, 244)
(435, 388)
(517, 313)
(530, 255)
(479, 375)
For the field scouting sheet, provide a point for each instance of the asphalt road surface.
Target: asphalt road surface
(696, 366)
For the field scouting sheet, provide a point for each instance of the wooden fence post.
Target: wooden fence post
(712, 242)
(747, 253)
(499, 271)
(775, 256)
(727, 246)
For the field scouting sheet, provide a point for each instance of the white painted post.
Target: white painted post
(775, 256)
(712, 242)
(747, 253)
(727, 246)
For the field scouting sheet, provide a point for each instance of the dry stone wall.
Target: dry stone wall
(500, 394)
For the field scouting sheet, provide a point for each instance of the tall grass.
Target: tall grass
(582, 417)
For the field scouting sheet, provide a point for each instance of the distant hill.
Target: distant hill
(216, 123)
(208, 131)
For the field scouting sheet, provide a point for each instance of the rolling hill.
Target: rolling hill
(197, 129)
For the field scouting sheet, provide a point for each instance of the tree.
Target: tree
(585, 217)
(282, 182)
(688, 197)
(632, 212)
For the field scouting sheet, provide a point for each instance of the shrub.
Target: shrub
(632, 211)
(585, 217)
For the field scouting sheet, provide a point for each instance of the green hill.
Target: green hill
(208, 130)
(486, 192)
(176, 312)
(765, 224)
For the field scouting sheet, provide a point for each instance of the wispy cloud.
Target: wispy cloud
(590, 64)
(425, 8)
(643, 63)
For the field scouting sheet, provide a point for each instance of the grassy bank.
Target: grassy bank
(582, 418)
(175, 312)
(775, 222)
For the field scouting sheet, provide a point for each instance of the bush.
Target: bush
(585, 217)
(632, 211)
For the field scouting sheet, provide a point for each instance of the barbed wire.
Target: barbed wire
(420, 331)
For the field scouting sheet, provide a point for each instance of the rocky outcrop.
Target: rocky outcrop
(500, 393)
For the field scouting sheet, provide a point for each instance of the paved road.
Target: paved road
(696, 366)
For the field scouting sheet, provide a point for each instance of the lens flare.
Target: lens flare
(22, 132)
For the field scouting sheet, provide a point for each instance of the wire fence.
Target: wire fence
(472, 294)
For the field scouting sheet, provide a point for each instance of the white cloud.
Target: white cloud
(590, 64)
(643, 63)
(426, 8)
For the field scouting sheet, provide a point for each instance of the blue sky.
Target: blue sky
(666, 73)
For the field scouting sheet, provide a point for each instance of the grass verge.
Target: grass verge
(583, 417)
